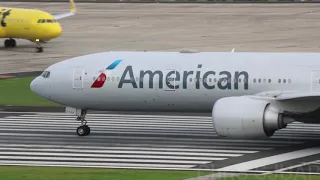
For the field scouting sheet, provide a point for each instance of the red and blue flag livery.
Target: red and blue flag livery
(99, 82)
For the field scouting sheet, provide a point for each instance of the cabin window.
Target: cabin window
(204, 79)
(284, 80)
(279, 80)
(254, 80)
(269, 80)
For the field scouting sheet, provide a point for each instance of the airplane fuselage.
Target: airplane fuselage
(154, 81)
(29, 24)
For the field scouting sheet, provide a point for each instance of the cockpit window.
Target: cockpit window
(46, 74)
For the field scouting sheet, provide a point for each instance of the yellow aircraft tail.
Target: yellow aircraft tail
(71, 13)
(72, 6)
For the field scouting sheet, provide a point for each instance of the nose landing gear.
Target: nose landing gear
(39, 47)
(84, 129)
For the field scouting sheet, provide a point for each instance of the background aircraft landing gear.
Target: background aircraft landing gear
(84, 129)
(10, 43)
(39, 49)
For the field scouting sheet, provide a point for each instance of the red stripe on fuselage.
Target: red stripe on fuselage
(98, 83)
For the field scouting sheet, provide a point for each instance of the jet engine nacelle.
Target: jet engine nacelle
(246, 118)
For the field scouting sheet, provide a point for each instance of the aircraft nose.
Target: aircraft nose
(34, 86)
(57, 31)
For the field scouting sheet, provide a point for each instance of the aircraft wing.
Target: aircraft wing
(61, 16)
(287, 95)
(64, 15)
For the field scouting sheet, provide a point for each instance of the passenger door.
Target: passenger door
(78, 78)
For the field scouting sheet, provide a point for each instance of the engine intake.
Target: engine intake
(246, 118)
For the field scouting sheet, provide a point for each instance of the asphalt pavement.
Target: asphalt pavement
(146, 141)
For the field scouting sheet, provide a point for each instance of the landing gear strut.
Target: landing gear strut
(84, 129)
(10, 43)
(39, 47)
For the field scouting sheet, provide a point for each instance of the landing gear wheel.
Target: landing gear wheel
(10, 43)
(14, 43)
(87, 129)
(7, 43)
(39, 49)
(83, 130)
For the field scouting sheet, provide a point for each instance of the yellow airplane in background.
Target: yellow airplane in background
(30, 24)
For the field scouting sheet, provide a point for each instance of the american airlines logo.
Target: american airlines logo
(99, 82)
(176, 80)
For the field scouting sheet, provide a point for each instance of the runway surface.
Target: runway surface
(137, 141)
(168, 27)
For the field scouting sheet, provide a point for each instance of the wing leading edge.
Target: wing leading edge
(287, 95)
(71, 13)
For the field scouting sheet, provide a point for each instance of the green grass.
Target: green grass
(17, 92)
(274, 177)
(59, 173)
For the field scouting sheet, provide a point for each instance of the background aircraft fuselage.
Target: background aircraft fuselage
(30, 24)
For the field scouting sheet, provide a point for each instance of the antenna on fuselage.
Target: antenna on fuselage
(189, 51)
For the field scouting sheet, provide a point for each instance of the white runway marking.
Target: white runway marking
(292, 167)
(245, 166)
(145, 141)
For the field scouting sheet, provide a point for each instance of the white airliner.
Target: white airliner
(250, 95)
